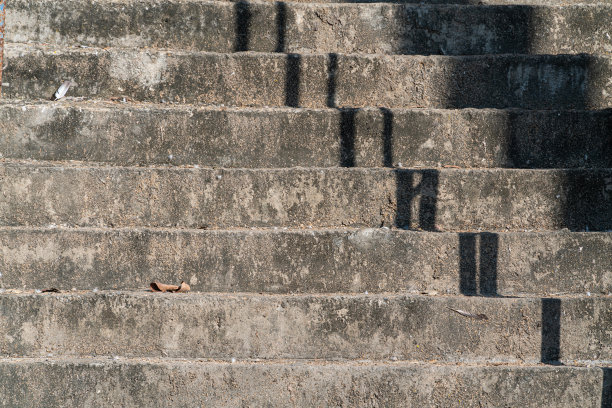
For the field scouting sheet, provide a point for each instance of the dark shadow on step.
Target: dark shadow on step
(478, 267)
(281, 25)
(293, 61)
(347, 116)
(243, 23)
(416, 192)
(292, 81)
(550, 348)
(606, 388)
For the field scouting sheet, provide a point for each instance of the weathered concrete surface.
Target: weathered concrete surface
(313, 80)
(313, 261)
(319, 28)
(314, 327)
(433, 199)
(462, 2)
(139, 383)
(130, 134)
(295, 384)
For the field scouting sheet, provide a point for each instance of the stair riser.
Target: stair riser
(545, 82)
(319, 28)
(282, 385)
(260, 138)
(309, 261)
(338, 327)
(208, 198)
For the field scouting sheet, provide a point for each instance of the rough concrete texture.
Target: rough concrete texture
(320, 28)
(427, 2)
(313, 80)
(145, 383)
(433, 199)
(313, 261)
(132, 134)
(312, 327)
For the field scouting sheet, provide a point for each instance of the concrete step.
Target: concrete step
(314, 28)
(171, 383)
(311, 261)
(287, 137)
(371, 327)
(40, 194)
(460, 2)
(312, 80)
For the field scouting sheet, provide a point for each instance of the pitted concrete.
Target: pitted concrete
(432, 199)
(313, 80)
(309, 261)
(100, 382)
(135, 134)
(315, 28)
(371, 327)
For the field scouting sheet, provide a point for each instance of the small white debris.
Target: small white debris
(37, 290)
(0, 274)
(2, 290)
(558, 195)
(49, 354)
(365, 293)
(219, 177)
(580, 249)
(61, 91)
(588, 293)
(115, 357)
(195, 166)
(23, 108)
(233, 360)
(399, 164)
(95, 290)
(170, 157)
(393, 358)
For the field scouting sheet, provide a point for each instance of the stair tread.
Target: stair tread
(295, 27)
(407, 327)
(313, 80)
(106, 382)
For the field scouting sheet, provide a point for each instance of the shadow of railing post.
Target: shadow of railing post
(387, 135)
(550, 349)
(406, 192)
(243, 23)
(478, 276)
(606, 387)
(281, 26)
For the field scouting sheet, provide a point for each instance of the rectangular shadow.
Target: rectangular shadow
(606, 388)
(243, 22)
(550, 350)
(489, 247)
(426, 191)
(281, 26)
(387, 136)
(292, 81)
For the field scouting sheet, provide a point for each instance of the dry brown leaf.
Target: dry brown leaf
(184, 287)
(162, 287)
